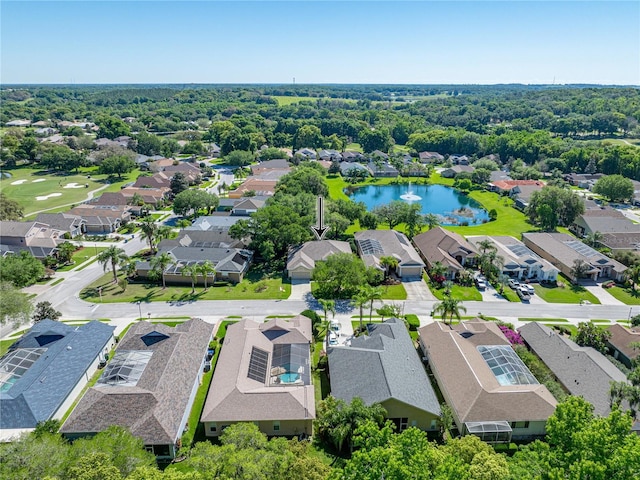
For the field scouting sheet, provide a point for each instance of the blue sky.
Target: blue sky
(320, 42)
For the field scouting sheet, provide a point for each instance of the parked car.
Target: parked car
(333, 339)
(529, 288)
(523, 294)
(481, 284)
(513, 283)
(335, 326)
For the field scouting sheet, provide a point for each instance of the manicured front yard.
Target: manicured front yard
(625, 295)
(389, 292)
(458, 292)
(253, 287)
(567, 294)
(80, 256)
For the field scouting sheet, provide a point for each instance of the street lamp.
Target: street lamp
(139, 310)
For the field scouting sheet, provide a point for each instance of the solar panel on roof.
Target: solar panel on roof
(583, 249)
(258, 364)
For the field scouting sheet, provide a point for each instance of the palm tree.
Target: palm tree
(431, 220)
(449, 307)
(192, 271)
(65, 251)
(447, 285)
(633, 275)
(360, 300)
(594, 239)
(205, 269)
(161, 263)
(112, 256)
(389, 263)
(327, 306)
(149, 231)
(486, 246)
(372, 294)
(164, 231)
(437, 272)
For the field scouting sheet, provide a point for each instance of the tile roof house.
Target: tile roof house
(490, 390)
(302, 260)
(255, 185)
(562, 250)
(157, 180)
(372, 245)
(620, 343)
(448, 248)
(37, 238)
(263, 375)
(519, 261)
(505, 186)
(384, 367)
(583, 371)
(43, 373)
(149, 386)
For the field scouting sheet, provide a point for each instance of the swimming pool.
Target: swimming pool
(289, 377)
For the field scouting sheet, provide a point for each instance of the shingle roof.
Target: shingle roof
(622, 338)
(467, 382)
(60, 221)
(234, 396)
(154, 408)
(440, 245)
(392, 243)
(214, 221)
(583, 371)
(309, 253)
(43, 388)
(380, 366)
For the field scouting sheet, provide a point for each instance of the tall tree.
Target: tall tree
(15, 307)
(179, 183)
(113, 256)
(22, 269)
(553, 206)
(614, 187)
(192, 271)
(117, 165)
(339, 276)
(160, 263)
(590, 335)
(149, 229)
(450, 307)
(372, 294)
(43, 311)
(10, 209)
(205, 269)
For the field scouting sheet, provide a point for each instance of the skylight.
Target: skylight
(126, 368)
(15, 364)
(506, 365)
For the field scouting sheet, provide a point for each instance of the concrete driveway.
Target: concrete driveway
(417, 289)
(490, 294)
(600, 293)
(300, 289)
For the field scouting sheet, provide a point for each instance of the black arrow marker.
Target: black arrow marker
(319, 230)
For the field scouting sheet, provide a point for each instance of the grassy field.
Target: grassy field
(567, 294)
(253, 287)
(284, 100)
(543, 320)
(625, 295)
(39, 183)
(390, 292)
(5, 344)
(458, 292)
(80, 256)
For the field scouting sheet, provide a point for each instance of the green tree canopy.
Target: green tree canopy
(554, 206)
(117, 165)
(339, 276)
(10, 209)
(21, 270)
(15, 307)
(239, 158)
(614, 188)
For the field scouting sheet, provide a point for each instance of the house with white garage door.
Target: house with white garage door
(373, 245)
(302, 260)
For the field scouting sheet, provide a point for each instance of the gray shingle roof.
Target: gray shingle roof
(382, 366)
(309, 253)
(43, 388)
(392, 243)
(583, 371)
(440, 245)
(153, 409)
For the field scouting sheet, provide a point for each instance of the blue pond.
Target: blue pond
(449, 204)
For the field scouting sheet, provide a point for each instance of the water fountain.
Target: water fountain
(410, 196)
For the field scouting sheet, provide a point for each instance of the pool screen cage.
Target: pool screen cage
(490, 432)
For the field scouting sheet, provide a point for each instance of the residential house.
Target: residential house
(302, 260)
(214, 150)
(563, 250)
(157, 180)
(231, 264)
(263, 375)
(148, 387)
(458, 159)
(352, 156)
(214, 222)
(618, 232)
(505, 186)
(346, 168)
(191, 171)
(269, 165)
(378, 155)
(519, 261)
(211, 238)
(583, 180)
(491, 392)
(330, 155)
(447, 248)
(43, 373)
(372, 245)
(307, 153)
(498, 175)
(453, 172)
(18, 123)
(430, 157)
(620, 343)
(159, 164)
(150, 196)
(583, 371)
(522, 194)
(254, 186)
(383, 367)
(382, 169)
(70, 225)
(101, 219)
(37, 238)
(247, 206)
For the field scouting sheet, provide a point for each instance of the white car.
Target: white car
(333, 339)
(528, 288)
(513, 283)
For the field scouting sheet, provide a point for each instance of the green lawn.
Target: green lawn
(510, 295)
(284, 100)
(459, 292)
(625, 295)
(543, 320)
(36, 182)
(567, 294)
(5, 344)
(394, 292)
(80, 256)
(253, 287)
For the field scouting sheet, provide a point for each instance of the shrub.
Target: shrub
(493, 214)
(513, 336)
(312, 315)
(413, 321)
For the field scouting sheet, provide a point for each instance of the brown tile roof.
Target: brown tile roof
(234, 396)
(467, 382)
(509, 184)
(153, 409)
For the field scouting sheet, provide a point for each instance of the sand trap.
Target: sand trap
(38, 180)
(18, 182)
(73, 185)
(46, 197)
